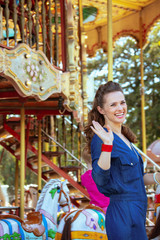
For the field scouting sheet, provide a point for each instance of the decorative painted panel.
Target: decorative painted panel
(32, 74)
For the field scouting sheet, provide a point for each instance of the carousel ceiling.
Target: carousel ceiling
(120, 9)
(126, 17)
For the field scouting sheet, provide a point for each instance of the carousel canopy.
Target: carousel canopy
(126, 15)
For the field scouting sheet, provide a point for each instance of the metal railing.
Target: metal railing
(61, 146)
(146, 157)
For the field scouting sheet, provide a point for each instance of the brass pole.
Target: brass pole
(29, 6)
(39, 158)
(56, 34)
(79, 154)
(109, 36)
(22, 19)
(143, 120)
(37, 24)
(53, 135)
(44, 25)
(15, 21)
(16, 183)
(7, 20)
(80, 40)
(22, 158)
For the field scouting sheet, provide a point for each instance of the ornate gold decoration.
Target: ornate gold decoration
(31, 73)
(5, 63)
(76, 101)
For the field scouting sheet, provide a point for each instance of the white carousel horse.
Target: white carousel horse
(31, 195)
(87, 223)
(2, 197)
(41, 224)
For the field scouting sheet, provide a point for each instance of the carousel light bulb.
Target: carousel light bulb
(27, 83)
(77, 47)
(27, 55)
(41, 88)
(76, 17)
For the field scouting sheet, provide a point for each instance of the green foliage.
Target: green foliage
(8, 169)
(152, 83)
(89, 11)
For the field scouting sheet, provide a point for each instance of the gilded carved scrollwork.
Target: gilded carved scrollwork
(77, 102)
(32, 74)
(5, 63)
(85, 77)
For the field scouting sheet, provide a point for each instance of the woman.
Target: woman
(117, 166)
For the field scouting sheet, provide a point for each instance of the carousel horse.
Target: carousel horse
(87, 223)
(2, 197)
(31, 196)
(155, 232)
(41, 224)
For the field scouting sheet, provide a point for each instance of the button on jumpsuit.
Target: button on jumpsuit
(123, 183)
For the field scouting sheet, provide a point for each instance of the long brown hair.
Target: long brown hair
(94, 114)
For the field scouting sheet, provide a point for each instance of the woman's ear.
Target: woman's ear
(100, 110)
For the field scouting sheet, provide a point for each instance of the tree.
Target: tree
(7, 172)
(152, 83)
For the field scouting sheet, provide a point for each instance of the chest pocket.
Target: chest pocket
(130, 169)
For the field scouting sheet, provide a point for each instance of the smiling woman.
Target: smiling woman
(117, 166)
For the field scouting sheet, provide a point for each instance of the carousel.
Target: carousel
(43, 88)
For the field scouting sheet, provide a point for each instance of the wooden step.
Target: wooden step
(34, 161)
(52, 174)
(50, 154)
(66, 169)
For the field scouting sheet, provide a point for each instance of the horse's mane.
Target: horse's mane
(44, 190)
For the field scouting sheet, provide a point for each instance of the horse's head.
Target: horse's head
(64, 199)
(54, 192)
(33, 189)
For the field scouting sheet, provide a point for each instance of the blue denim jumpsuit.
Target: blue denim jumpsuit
(123, 183)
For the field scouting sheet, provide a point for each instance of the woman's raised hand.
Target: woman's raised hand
(107, 137)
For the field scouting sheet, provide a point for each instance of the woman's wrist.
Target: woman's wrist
(108, 142)
(106, 147)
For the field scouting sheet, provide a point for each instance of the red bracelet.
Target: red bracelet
(106, 148)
